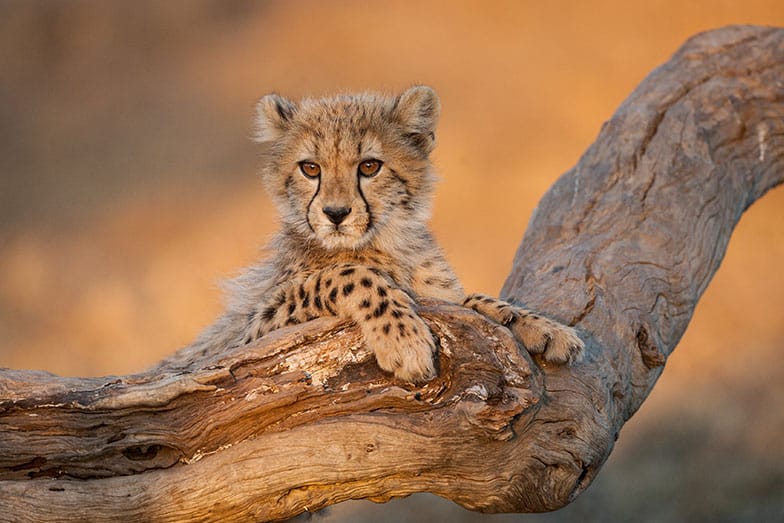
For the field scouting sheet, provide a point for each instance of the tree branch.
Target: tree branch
(622, 246)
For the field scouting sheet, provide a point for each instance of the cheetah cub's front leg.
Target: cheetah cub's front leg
(386, 315)
(557, 343)
(399, 338)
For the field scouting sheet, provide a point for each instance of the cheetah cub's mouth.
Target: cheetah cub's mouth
(340, 236)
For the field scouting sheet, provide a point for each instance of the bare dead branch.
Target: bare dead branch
(622, 246)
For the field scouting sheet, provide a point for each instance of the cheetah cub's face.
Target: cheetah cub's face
(352, 170)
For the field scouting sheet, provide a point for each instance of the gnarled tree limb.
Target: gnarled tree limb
(622, 246)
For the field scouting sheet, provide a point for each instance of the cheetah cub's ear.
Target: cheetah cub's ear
(273, 117)
(417, 109)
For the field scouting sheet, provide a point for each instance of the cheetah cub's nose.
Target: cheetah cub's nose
(336, 214)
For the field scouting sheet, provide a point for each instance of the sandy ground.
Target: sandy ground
(128, 190)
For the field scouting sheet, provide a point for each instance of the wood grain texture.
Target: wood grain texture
(622, 246)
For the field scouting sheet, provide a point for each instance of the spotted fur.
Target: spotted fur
(353, 184)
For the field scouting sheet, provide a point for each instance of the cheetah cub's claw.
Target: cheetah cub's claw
(404, 347)
(556, 342)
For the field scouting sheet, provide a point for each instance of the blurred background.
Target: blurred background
(128, 190)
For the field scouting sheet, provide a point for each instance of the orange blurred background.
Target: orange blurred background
(128, 190)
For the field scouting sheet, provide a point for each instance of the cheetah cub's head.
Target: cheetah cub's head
(352, 170)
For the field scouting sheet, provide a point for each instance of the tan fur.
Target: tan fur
(371, 264)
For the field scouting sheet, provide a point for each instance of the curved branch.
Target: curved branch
(622, 246)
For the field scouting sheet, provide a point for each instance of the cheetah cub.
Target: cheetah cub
(352, 180)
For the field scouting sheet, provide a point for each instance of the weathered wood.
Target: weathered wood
(622, 246)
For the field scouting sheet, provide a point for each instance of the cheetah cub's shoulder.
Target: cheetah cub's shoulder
(352, 180)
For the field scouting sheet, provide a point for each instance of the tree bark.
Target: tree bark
(622, 246)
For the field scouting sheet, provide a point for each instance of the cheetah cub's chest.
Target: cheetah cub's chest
(353, 183)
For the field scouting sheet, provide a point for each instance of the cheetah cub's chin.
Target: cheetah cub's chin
(352, 179)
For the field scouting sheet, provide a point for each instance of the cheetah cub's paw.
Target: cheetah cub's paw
(404, 346)
(556, 342)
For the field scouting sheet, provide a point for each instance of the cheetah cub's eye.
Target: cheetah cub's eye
(310, 169)
(370, 167)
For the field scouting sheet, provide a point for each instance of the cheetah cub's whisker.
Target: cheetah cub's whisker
(352, 180)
